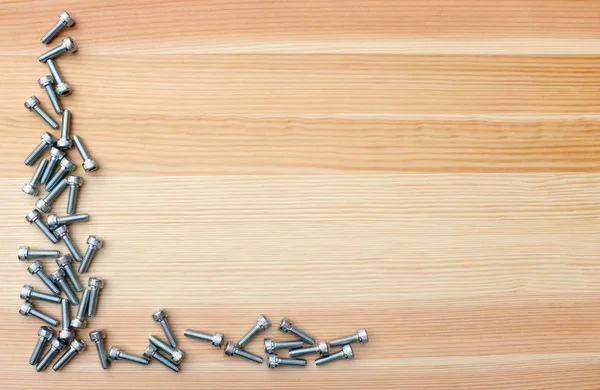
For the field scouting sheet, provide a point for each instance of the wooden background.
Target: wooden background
(428, 170)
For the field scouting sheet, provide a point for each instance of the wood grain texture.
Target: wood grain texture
(427, 170)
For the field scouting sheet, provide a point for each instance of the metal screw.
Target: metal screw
(64, 142)
(65, 333)
(31, 187)
(95, 284)
(76, 346)
(216, 339)
(58, 277)
(66, 166)
(231, 349)
(321, 348)
(47, 141)
(273, 361)
(361, 336)
(55, 156)
(56, 346)
(36, 268)
(55, 221)
(44, 334)
(45, 204)
(66, 264)
(89, 164)
(94, 243)
(27, 309)
(28, 294)
(286, 326)
(79, 321)
(97, 336)
(262, 323)
(67, 46)
(62, 87)
(161, 317)
(151, 352)
(25, 253)
(35, 217)
(176, 354)
(64, 20)
(62, 232)
(345, 353)
(272, 345)
(116, 354)
(74, 183)
(46, 82)
(33, 104)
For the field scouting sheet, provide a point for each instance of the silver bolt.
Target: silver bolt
(360, 336)
(55, 156)
(62, 87)
(79, 321)
(28, 309)
(66, 166)
(67, 46)
(76, 346)
(58, 277)
(176, 354)
(64, 20)
(74, 183)
(31, 187)
(321, 348)
(56, 346)
(36, 268)
(97, 336)
(272, 345)
(95, 284)
(35, 217)
(66, 264)
(116, 354)
(44, 334)
(47, 82)
(161, 317)
(33, 104)
(62, 232)
(48, 140)
(286, 326)
(55, 221)
(262, 323)
(89, 164)
(273, 361)
(64, 142)
(25, 253)
(345, 353)
(94, 243)
(45, 204)
(28, 294)
(152, 353)
(231, 349)
(216, 339)
(65, 333)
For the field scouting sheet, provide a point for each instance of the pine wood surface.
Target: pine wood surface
(428, 170)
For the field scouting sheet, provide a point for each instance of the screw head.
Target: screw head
(26, 291)
(23, 253)
(30, 190)
(31, 103)
(61, 231)
(362, 335)
(52, 220)
(78, 344)
(95, 241)
(48, 138)
(177, 356)
(64, 143)
(57, 275)
(67, 164)
(113, 354)
(263, 322)
(35, 267)
(323, 348)
(79, 324)
(56, 153)
(66, 334)
(269, 346)
(97, 335)
(75, 181)
(63, 89)
(272, 360)
(45, 80)
(66, 18)
(285, 325)
(90, 165)
(25, 308)
(58, 344)
(96, 282)
(150, 350)
(43, 205)
(347, 350)
(159, 315)
(69, 44)
(64, 261)
(229, 349)
(46, 332)
(33, 216)
(217, 340)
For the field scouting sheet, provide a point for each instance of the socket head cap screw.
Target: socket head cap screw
(45, 80)
(159, 315)
(285, 325)
(217, 340)
(63, 89)
(97, 335)
(79, 324)
(69, 44)
(66, 18)
(56, 152)
(177, 356)
(64, 143)
(64, 261)
(95, 282)
(78, 345)
(269, 346)
(31, 103)
(26, 291)
(362, 335)
(48, 138)
(45, 332)
(230, 349)
(95, 241)
(67, 164)
(43, 205)
(33, 216)
(66, 334)
(75, 181)
(57, 275)
(52, 221)
(30, 190)
(90, 165)
(113, 354)
(272, 360)
(23, 253)
(61, 231)
(323, 348)
(25, 308)
(58, 344)
(150, 350)
(35, 267)
(263, 322)
(348, 352)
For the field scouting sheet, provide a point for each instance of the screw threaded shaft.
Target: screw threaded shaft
(291, 362)
(72, 248)
(45, 297)
(48, 282)
(53, 99)
(343, 340)
(329, 358)
(303, 336)
(46, 117)
(158, 343)
(157, 356)
(289, 344)
(68, 292)
(47, 359)
(168, 333)
(248, 355)
(197, 335)
(37, 351)
(46, 230)
(50, 167)
(81, 148)
(64, 359)
(65, 314)
(53, 32)
(83, 305)
(36, 153)
(87, 259)
(133, 358)
(54, 71)
(73, 278)
(52, 53)
(39, 172)
(44, 317)
(38, 254)
(249, 336)
(102, 354)
(93, 302)
(72, 202)
(69, 219)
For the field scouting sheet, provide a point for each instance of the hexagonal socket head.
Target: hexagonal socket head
(57, 275)
(31, 103)
(61, 231)
(263, 322)
(78, 345)
(25, 308)
(48, 138)
(269, 345)
(63, 89)
(272, 360)
(79, 324)
(46, 332)
(52, 220)
(75, 181)
(69, 44)
(26, 292)
(67, 164)
(114, 352)
(230, 348)
(285, 325)
(64, 143)
(217, 340)
(90, 165)
(348, 352)
(30, 190)
(57, 153)
(64, 261)
(95, 241)
(23, 253)
(362, 335)
(35, 267)
(159, 315)
(149, 351)
(177, 356)
(66, 18)
(97, 335)
(95, 282)
(66, 334)
(45, 80)
(43, 205)
(58, 344)
(323, 348)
